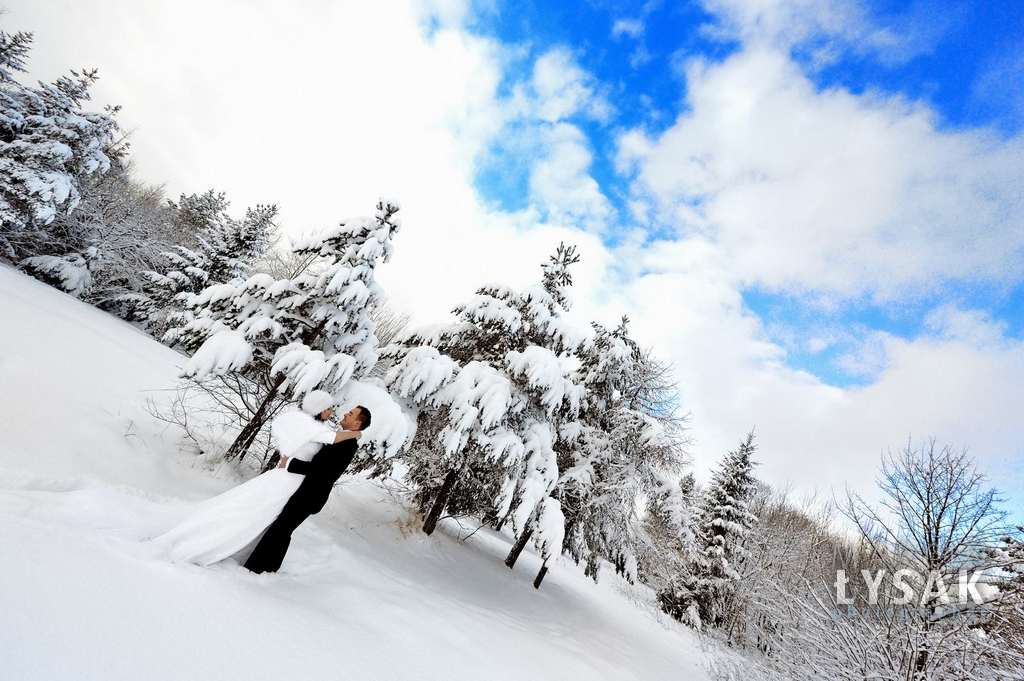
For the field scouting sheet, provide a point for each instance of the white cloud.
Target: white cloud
(448, 13)
(634, 28)
(826, 28)
(818, 344)
(563, 89)
(830, 192)
(560, 183)
(1000, 85)
(961, 382)
(557, 153)
(869, 356)
(639, 57)
(827, 196)
(976, 328)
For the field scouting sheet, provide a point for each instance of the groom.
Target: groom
(321, 473)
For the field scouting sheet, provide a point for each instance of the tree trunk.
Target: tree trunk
(518, 547)
(501, 522)
(242, 443)
(921, 663)
(272, 462)
(921, 660)
(245, 439)
(540, 575)
(439, 503)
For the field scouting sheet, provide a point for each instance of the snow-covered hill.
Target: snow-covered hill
(362, 595)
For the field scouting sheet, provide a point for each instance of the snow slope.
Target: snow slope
(363, 594)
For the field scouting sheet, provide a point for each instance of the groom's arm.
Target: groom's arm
(327, 461)
(299, 466)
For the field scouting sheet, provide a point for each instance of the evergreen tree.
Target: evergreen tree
(229, 248)
(1005, 624)
(291, 336)
(72, 274)
(14, 49)
(226, 252)
(623, 448)
(701, 593)
(725, 509)
(48, 144)
(669, 529)
(490, 391)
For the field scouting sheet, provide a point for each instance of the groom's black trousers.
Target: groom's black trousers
(271, 549)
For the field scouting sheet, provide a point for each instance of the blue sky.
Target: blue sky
(963, 60)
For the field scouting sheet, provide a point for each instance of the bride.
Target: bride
(225, 526)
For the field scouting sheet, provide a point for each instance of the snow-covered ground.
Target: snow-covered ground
(363, 593)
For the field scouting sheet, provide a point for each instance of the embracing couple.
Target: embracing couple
(253, 522)
(318, 477)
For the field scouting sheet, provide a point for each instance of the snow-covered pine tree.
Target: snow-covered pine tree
(14, 49)
(624, 447)
(230, 247)
(489, 391)
(725, 521)
(296, 335)
(226, 251)
(72, 274)
(48, 143)
(668, 550)
(590, 454)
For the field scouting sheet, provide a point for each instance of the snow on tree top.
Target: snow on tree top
(491, 310)
(222, 352)
(255, 326)
(654, 431)
(260, 280)
(353, 292)
(543, 371)
(429, 334)
(503, 444)
(479, 391)
(421, 373)
(498, 291)
(307, 369)
(541, 308)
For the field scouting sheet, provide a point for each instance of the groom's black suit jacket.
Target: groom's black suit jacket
(321, 472)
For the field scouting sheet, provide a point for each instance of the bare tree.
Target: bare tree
(941, 515)
(937, 517)
(287, 263)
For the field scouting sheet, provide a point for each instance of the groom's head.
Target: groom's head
(356, 419)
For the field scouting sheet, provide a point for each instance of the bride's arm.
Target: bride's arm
(342, 435)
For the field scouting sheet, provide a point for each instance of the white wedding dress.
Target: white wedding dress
(202, 533)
